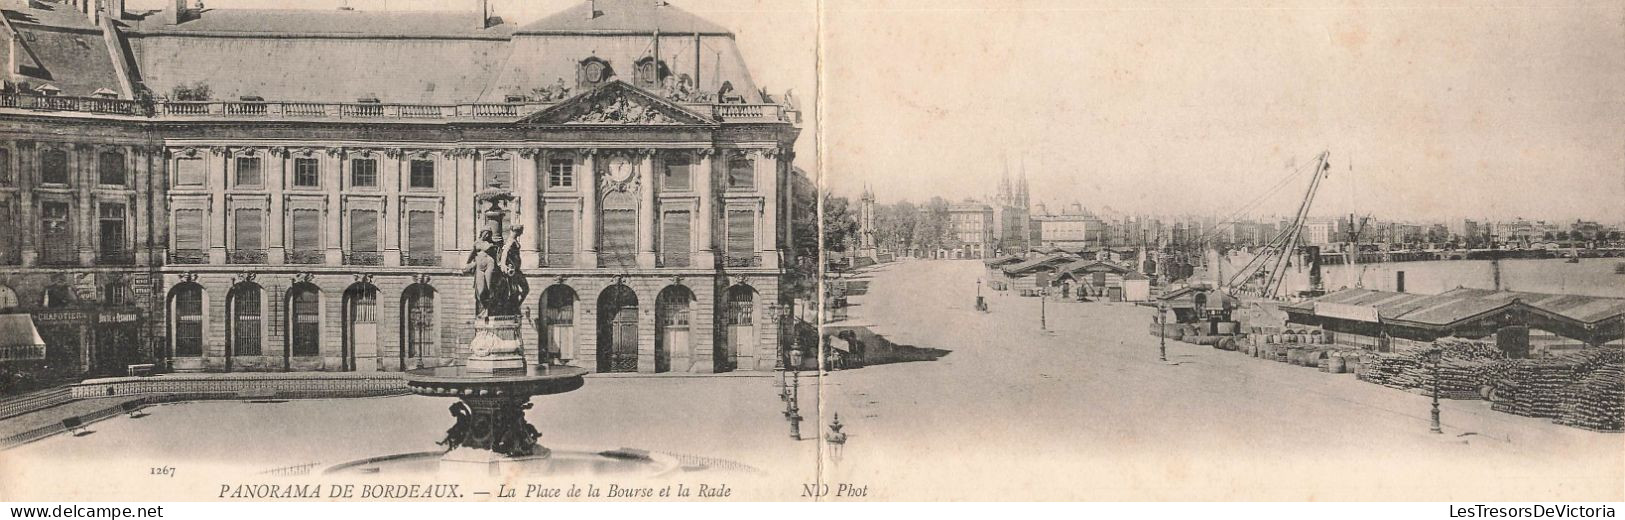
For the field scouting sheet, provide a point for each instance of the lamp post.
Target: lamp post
(981, 305)
(794, 413)
(1162, 331)
(1433, 355)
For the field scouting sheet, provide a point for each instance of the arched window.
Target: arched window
(247, 320)
(187, 327)
(8, 298)
(645, 73)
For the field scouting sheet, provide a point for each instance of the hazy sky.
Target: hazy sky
(1443, 109)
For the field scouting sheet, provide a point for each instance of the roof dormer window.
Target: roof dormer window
(644, 73)
(593, 72)
(48, 90)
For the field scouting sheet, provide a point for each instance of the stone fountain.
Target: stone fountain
(490, 435)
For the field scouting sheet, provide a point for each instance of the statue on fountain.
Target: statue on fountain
(499, 284)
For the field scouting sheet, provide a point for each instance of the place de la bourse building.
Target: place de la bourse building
(298, 191)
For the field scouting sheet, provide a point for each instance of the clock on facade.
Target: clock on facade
(620, 169)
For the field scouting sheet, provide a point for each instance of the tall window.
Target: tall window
(188, 320)
(188, 235)
(111, 171)
(741, 173)
(189, 172)
(248, 172)
(675, 239)
(420, 243)
(307, 172)
(5, 166)
(364, 173)
(741, 237)
(498, 173)
(56, 233)
(364, 237)
(422, 175)
(679, 173)
(306, 242)
(8, 242)
(248, 236)
(561, 173)
(110, 229)
(618, 242)
(246, 319)
(306, 320)
(561, 238)
(54, 167)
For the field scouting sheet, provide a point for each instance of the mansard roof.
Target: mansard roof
(343, 56)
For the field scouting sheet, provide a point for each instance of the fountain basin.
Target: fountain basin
(567, 461)
(457, 381)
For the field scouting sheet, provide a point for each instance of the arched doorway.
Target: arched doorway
(672, 327)
(618, 330)
(360, 325)
(245, 323)
(418, 341)
(739, 320)
(186, 326)
(8, 298)
(557, 325)
(304, 323)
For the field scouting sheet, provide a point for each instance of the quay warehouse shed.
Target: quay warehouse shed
(1383, 320)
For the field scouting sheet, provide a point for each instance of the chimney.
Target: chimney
(176, 13)
(485, 13)
(592, 10)
(1399, 281)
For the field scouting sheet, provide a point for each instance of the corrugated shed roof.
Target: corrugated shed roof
(1052, 259)
(59, 47)
(642, 16)
(1460, 304)
(1094, 265)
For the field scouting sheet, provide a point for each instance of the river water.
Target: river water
(1589, 277)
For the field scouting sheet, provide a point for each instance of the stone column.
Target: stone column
(217, 204)
(588, 248)
(333, 184)
(390, 177)
(276, 232)
(28, 175)
(136, 164)
(705, 255)
(767, 238)
(646, 209)
(462, 231)
(787, 186)
(525, 184)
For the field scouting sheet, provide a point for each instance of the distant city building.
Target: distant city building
(972, 225)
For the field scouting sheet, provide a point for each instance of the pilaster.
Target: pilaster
(646, 210)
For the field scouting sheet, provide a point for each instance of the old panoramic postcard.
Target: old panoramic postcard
(812, 250)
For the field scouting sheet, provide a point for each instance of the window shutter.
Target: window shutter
(561, 238)
(675, 239)
(189, 229)
(189, 172)
(741, 173)
(250, 229)
(497, 173)
(420, 233)
(619, 243)
(741, 236)
(307, 230)
(364, 231)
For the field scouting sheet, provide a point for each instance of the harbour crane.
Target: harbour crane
(1264, 273)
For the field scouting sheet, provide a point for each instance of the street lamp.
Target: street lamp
(1433, 355)
(1162, 331)
(981, 304)
(794, 413)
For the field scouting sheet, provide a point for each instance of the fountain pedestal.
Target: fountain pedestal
(496, 348)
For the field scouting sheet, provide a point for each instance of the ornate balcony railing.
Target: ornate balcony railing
(71, 104)
(188, 256)
(363, 258)
(726, 112)
(420, 259)
(246, 256)
(115, 257)
(304, 257)
(743, 261)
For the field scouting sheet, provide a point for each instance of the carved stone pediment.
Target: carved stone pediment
(616, 103)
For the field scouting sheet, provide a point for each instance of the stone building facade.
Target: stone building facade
(329, 229)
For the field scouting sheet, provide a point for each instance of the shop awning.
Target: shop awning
(19, 340)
